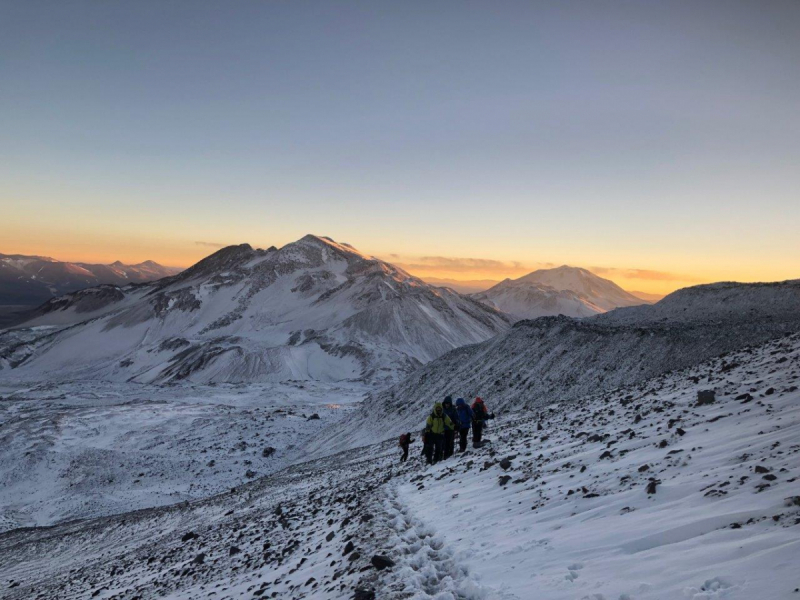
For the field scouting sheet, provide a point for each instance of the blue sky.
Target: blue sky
(652, 135)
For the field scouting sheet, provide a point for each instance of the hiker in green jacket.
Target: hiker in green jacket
(435, 427)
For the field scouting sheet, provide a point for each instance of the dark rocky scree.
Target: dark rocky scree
(229, 545)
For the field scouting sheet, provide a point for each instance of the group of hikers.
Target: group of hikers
(445, 422)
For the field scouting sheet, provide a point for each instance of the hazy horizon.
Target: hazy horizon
(448, 271)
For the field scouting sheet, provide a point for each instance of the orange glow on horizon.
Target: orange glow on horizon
(659, 272)
(174, 253)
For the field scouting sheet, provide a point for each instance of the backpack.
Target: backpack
(464, 416)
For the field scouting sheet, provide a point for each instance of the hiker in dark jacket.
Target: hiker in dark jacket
(450, 434)
(464, 413)
(435, 426)
(479, 417)
(404, 443)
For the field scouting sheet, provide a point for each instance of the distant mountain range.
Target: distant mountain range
(32, 280)
(649, 297)
(313, 309)
(28, 281)
(569, 291)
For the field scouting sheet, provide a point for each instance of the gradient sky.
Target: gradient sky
(657, 142)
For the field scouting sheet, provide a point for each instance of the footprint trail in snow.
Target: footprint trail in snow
(426, 566)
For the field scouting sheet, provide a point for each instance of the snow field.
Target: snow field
(633, 494)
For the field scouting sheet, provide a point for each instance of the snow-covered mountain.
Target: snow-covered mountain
(31, 280)
(569, 291)
(560, 358)
(640, 493)
(314, 309)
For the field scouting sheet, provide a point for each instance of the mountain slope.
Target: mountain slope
(462, 286)
(31, 280)
(637, 494)
(314, 309)
(558, 358)
(565, 290)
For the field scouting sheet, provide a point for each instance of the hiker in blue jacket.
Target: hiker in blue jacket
(464, 421)
(450, 435)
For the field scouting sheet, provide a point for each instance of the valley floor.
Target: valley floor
(639, 494)
(86, 449)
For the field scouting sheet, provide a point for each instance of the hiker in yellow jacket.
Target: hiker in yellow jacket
(435, 426)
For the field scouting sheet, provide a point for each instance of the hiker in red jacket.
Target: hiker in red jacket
(479, 417)
(405, 442)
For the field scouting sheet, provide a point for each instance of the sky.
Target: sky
(657, 143)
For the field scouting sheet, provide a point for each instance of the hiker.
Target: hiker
(464, 413)
(405, 442)
(450, 434)
(479, 417)
(435, 426)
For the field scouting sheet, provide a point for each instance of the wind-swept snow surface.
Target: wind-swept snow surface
(314, 309)
(638, 493)
(568, 291)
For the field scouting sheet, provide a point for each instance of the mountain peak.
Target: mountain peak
(566, 290)
(557, 274)
(328, 242)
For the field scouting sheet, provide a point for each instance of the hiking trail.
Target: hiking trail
(426, 566)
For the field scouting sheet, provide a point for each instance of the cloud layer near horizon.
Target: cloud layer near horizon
(455, 268)
(454, 264)
(642, 274)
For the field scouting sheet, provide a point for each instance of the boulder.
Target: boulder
(380, 562)
(189, 536)
(706, 397)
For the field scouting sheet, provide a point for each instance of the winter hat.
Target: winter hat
(460, 402)
(448, 400)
